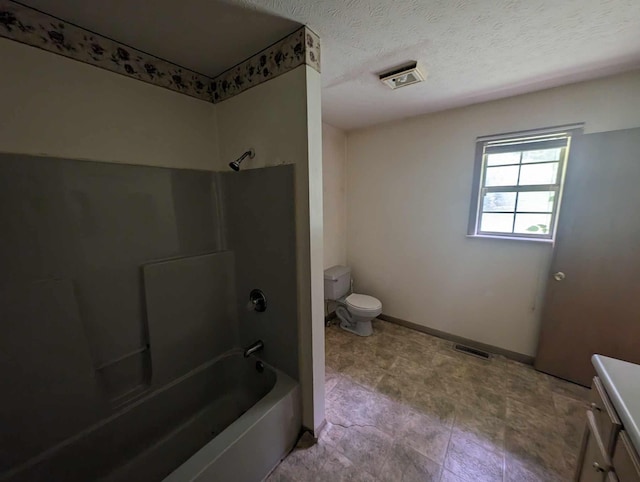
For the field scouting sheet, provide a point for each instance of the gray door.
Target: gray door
(592, 303)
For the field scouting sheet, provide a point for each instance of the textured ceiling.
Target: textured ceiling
(472, 50)
(203, 35)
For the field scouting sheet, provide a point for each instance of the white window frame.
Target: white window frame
(562, 137)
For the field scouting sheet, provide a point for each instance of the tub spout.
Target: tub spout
(254, 347)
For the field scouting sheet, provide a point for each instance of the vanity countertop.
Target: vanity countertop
(622, 382)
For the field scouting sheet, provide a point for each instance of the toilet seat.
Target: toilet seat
(363, 305)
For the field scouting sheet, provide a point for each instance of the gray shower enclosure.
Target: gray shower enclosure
(116, 280)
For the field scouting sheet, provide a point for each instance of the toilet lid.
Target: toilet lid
(363, 302)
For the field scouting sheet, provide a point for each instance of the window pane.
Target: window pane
(502, 176)
(503, 158)
(499, 201)
(541, 155)
(538, 174)
(497, 223)
(532, 223)
(538, 201)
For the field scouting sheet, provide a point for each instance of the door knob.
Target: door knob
(559, 276)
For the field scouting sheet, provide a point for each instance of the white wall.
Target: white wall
(312, 336)
(281, 120)
(271, 118)
(408, 206)
(55, 106)
(334, 180)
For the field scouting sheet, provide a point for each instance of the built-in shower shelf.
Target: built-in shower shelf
(122, 357)
(125, 377)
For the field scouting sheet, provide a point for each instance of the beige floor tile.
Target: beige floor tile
(392, 329)
(346, 404)
(521, 471)
(571, 417)
(331, 379)
(433, 342)
(416, 351)
(339, 360)
(331, 433)
(542, 454)
(402, 405)
(365, 376)
(396, 388)
(484, 399)
(434, 404)
(350, 404)
(448, 476)
(386, 414)
(311, 457)
(366, 447)
(529, 387)
(426, 434)
(281, 474)
(531, 420)
(407, 465)
(568, 389)
(339, 468)
(302, 464)
(472, 462)
(410, 371)
(479, 427)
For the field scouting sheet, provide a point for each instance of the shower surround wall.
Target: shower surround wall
(117, 280)
(261, 199)
(91, 319)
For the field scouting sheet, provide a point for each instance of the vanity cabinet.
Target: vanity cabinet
(626, 460)
(607, 454)
(595, 465)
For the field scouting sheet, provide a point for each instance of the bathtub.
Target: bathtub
(232, 418)
(252, 445)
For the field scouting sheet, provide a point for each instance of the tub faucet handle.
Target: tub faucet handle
(254, 347)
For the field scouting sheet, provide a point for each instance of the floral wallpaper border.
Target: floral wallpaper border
(32, 27)
(301, 47)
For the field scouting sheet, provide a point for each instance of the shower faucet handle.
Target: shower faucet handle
(257, 301)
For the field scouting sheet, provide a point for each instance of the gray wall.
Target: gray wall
(259, 208)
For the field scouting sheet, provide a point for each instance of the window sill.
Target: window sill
(510, 238)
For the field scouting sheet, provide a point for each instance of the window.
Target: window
(518, 184)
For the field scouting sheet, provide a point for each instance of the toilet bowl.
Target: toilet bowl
(355, 311)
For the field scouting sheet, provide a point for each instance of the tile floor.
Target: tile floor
(403, 406)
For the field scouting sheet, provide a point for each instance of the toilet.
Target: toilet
(355, 311)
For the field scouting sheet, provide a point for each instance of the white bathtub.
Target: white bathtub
(252, 446)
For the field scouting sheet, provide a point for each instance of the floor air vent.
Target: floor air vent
(471, 351)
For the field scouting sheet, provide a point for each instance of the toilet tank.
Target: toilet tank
(337, 282)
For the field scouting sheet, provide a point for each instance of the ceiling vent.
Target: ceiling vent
(402, 76)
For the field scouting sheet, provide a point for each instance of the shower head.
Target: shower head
(235, 165)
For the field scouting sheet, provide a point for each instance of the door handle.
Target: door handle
(559, 276)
